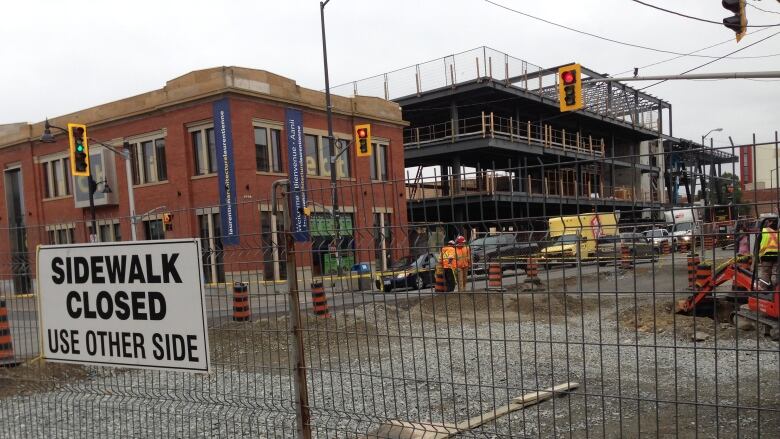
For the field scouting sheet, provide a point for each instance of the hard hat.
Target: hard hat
(460, 239)
(451, 242)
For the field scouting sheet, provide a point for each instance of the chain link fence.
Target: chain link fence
(561, 328)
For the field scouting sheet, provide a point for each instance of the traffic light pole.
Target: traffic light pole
(92, 188)
(331, 143)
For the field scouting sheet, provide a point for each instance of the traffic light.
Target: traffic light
(737, 22)
(79, 150)
(167, 218)
(363, 140)
(570, 87)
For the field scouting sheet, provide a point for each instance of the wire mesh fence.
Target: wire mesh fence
(602, 319)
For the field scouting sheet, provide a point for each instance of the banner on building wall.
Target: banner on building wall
(296, 171)
(226, 172)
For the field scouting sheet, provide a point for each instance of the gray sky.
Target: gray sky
(63, 56)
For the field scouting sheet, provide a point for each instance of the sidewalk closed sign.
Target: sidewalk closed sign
(137, 304)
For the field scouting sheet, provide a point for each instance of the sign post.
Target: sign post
(135, 305)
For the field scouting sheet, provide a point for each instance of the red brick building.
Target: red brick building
(170, 133)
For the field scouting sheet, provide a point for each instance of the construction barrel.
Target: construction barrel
(6, 343)
(319, 300)
(241, 311)
(494, 277)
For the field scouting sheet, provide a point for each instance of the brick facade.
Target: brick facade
(188, 101)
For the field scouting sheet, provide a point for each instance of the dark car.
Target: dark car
(510, 249)
(409, 272)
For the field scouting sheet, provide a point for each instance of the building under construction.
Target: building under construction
(486, 141)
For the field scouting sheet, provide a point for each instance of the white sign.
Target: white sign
(134, 304)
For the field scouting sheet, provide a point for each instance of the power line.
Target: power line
(762, 10)
(714, 60)
(696, 18)
(638, 46)
(690, 53)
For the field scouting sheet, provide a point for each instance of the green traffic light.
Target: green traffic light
(80, 148)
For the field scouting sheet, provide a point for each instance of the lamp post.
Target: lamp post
(331, 143)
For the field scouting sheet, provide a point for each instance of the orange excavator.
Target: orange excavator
(756, 301)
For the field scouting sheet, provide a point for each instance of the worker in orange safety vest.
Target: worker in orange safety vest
(449, 264)
(767, 253)
(463, 261)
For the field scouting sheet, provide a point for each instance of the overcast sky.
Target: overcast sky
(64, 56)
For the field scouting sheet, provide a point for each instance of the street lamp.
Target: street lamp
(331, 143)
(708, 133)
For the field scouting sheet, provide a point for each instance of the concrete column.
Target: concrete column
(445, 179)
(456, 175)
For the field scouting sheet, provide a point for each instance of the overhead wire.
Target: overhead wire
(690, 53)
(762, 10)
(697, 18)
(715, 60)
(612, 40)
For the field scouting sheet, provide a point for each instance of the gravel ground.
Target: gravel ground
(442, 359)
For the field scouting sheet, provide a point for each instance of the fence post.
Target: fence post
(303, 417)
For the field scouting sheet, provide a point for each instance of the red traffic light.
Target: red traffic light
(362, 133)
(568, 77)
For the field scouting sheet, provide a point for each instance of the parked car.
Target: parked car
(510, 249)
(610, 247)
(658, 237)
(409, 272)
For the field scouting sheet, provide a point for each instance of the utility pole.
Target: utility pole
(331, 143)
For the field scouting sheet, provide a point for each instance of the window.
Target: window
(204, 150)
(342, 164)
(318, 156)
(382, 238)
(311, 143)
(274, 251)
(108, 231)
(268, 149)
(379, 162)
(154, 229)
(56, 177)
(149, 164)
(61, 233)
(211, 252)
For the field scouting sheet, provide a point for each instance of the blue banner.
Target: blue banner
(296, 170)
(223, 136)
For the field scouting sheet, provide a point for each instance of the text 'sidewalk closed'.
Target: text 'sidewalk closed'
(130, 304)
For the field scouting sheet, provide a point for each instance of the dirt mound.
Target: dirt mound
(662, 318)
(38, 377)
(266, 343)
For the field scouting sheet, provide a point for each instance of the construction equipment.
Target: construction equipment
(757, 302)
